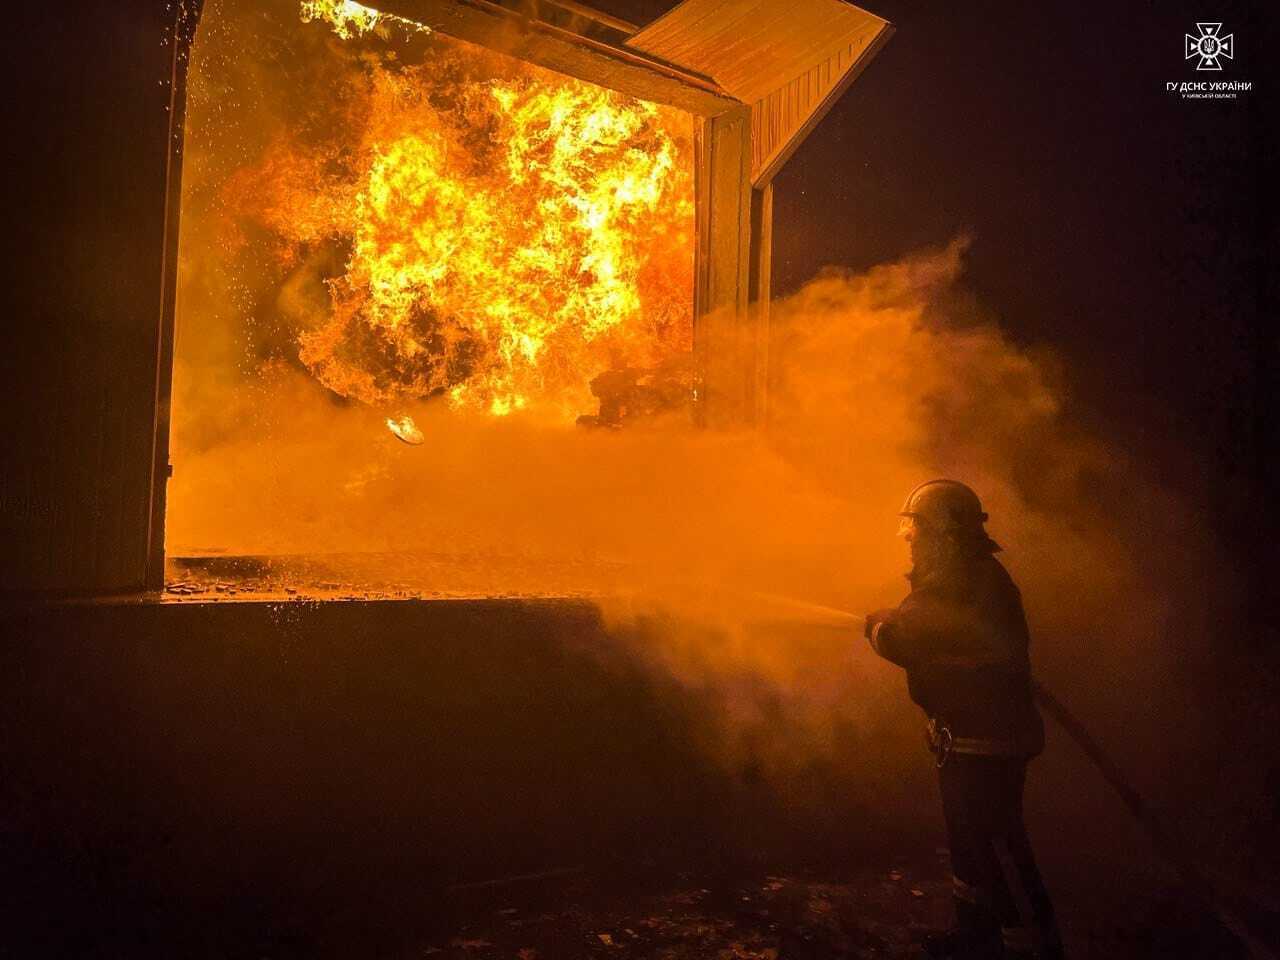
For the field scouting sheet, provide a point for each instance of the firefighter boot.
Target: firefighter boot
(976, 935)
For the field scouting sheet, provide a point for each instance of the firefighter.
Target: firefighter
(961, 635)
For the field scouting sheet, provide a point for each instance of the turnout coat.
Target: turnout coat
(961, 634)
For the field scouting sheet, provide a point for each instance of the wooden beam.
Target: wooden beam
(760, 283)
(582, 10)
(779, 159)
(722, 338)
(508, 31)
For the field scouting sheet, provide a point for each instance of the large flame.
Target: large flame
(350, 19)
(502, 241)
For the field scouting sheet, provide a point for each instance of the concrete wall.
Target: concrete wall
(92, 128)
(186, 757)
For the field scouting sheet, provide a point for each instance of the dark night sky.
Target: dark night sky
(1114, 222)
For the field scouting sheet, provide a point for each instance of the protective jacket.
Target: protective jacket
(962, 637)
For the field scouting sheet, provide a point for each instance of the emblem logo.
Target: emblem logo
(1210, 46)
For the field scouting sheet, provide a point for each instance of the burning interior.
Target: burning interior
(413, 266)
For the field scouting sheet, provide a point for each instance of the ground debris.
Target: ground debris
(774, 917)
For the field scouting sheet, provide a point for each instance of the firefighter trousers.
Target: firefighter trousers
(997, 883)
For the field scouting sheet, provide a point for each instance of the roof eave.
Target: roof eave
(505, 30)
(779, 159)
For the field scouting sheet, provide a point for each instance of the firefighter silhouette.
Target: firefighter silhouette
(962, 637)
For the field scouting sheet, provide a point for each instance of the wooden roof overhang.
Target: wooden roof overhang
(574, 40)
(789, 60)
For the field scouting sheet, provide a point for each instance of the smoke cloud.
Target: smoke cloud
(879, 380)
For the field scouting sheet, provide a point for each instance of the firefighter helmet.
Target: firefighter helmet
(945, 505)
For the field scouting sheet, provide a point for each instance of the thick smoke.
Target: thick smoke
(880, 380)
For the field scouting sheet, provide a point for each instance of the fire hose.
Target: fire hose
(1195, 879)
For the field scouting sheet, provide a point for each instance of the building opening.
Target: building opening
(401, 252)
(458, 278)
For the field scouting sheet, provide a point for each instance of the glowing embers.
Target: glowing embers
(347, 18)
(350, 19)
(500, 241)
(405, 430)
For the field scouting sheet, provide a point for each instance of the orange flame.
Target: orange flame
(350, 19)
(506, 240)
